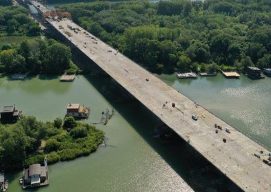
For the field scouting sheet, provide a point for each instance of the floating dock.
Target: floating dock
(226, 148)
(67, 78)
(231, 74)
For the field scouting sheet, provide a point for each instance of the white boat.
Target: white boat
(267, 72)
(3, 183)
(186, 75)
(19, 76)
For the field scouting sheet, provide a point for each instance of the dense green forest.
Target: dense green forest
(37, 56)
(29, 140)
(180, 35)
(14, 20)
(33, 55)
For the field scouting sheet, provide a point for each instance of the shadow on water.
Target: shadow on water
(188, 163)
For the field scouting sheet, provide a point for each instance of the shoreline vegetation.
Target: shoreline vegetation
(30, 53)
(182, 35)
(28, 141)
(37, 56)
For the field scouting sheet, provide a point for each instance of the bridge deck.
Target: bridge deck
(235, 158)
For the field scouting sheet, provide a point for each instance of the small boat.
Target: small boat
(267, 72)
(19, 76)
(186, 75)
(208, 74)
(21, 180)
(3, 183)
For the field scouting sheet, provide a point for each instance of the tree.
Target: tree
(58, 123)
(198, 52)
(184, 63)
(34, 30)
(13, 62)
(12, 25)
(265, 61)
(58, 58)
(69, 122)
(14, 146)
(246, 62)
(79, 132)
(51, 145)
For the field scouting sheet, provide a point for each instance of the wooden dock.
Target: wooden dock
(67, 78)
(231, 74)
(226, 148)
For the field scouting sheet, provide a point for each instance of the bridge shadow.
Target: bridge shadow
(201, 175)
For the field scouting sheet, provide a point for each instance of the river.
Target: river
(133, 159)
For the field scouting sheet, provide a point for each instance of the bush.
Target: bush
(69, 122)
(34, 159)
(73, 69)
(79, 132)
(53, 158)
(51, 145)
(58, 123)
(69, 154)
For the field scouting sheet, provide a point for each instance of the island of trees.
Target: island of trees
(183, 35)
(28, 141)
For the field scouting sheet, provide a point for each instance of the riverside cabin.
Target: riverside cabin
(10, 114)
(35, 176)
(77, 111)
(254, 73)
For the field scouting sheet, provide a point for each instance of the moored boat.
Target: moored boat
(77, 111)
(254, 73)
(19, 76)
(36, 175)
(186, 75)
(208, 74)
(3, 183)
(267, 72)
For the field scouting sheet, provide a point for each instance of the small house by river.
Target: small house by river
(35, 176)
(10, 114)
(254, 73)
(77, 111)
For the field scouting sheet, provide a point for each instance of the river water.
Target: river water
(133, 159)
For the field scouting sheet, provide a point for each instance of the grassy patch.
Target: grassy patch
(14, 40)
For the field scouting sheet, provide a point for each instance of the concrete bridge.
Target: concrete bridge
(234, 154)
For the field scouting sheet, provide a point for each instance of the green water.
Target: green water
(133, 159)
